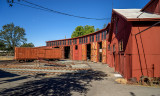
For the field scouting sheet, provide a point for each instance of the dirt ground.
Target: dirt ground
(65, 78)
(6, 57)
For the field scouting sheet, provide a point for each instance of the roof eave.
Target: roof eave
(146, 5)
(143, 19)
(79, 36)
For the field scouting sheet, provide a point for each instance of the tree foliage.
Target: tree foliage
(12, 36)
(2, 46)
(27, 45)
(104, 26)
(97, 29)
(82, 30)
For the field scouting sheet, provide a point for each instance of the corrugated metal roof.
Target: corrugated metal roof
(134, 13)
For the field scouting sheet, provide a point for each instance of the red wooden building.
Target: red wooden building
(130, 43)
(135, 47)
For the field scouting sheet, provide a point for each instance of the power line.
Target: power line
(54, 11)
(148, 27)
(29, 6)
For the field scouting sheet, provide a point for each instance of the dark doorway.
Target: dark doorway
(67, 52)
(88, 51)
(100, 51)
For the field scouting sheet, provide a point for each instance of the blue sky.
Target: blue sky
(41, 26)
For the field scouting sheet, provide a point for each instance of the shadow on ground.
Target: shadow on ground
(4, 74)
(62, 85)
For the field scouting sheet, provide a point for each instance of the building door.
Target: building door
(67, 52)
(88, 51)
(100, 52)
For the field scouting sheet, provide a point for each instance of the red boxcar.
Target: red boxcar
(26, 53)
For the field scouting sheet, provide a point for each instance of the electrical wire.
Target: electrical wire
(149, 27)
(30, 6)
(54, 11)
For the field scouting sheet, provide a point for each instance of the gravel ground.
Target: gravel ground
(98, 81)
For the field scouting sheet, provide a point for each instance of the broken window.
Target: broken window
(120, 45)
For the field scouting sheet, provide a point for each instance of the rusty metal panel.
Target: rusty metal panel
(94, 52)
(104, 44)
(71, 53)
(84, 52)
(104, 51)
(62, 52)
(22, 53)
(104, 59)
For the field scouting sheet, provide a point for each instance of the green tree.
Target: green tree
(104, 26)
(12, 36)
(82, 30)
(97, 29)
(2, 46)
(27, 45)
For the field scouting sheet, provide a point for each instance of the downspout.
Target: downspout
(142, 43)
(143, 53)
(142, 48)
(138, 48)
(139, 56)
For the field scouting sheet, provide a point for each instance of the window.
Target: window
(109, 47)
(121, 45)
(52, 43)
(56, 43)
(114, 48)
(75, 41)
(79, 40)
(86, 40)
(104, 34)
(92, 38)
(70, 42)
(96, 37)
(60, 42)
(76, 47)
(49, 43)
